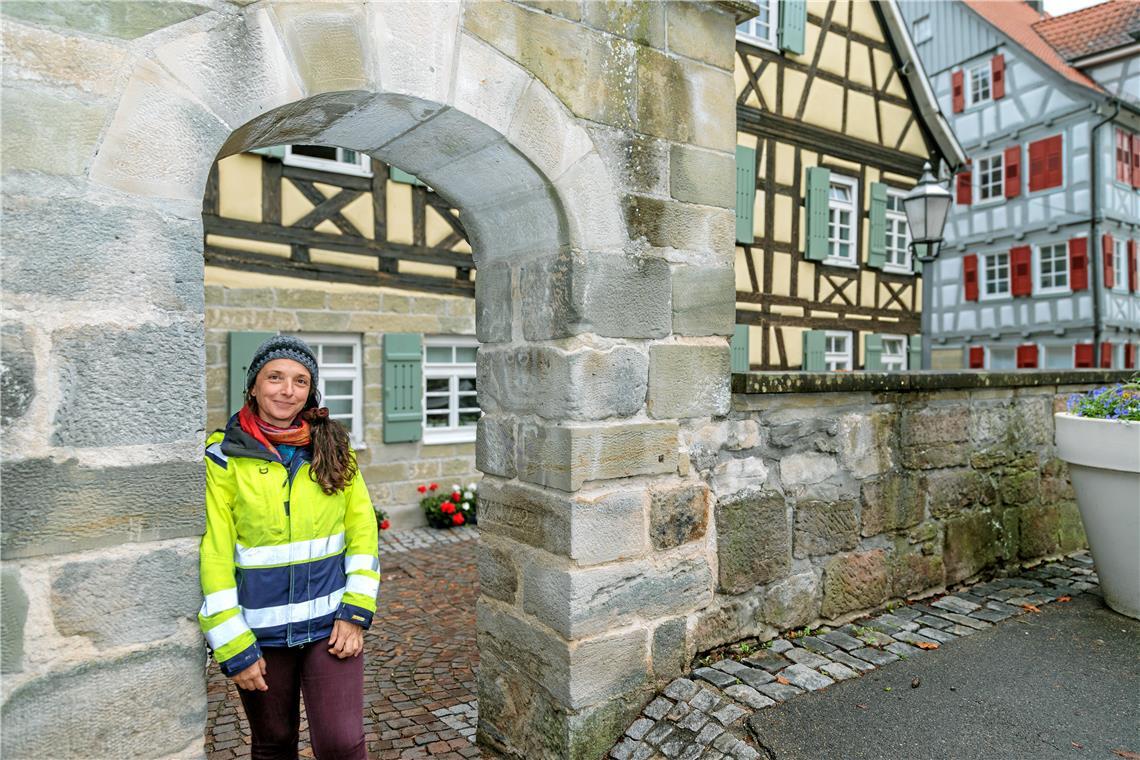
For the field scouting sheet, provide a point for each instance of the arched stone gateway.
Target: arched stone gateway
(604, 297)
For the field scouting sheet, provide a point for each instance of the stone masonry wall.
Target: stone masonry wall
(827, 505)
(392, 471)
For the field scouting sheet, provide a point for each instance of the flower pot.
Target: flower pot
(1104, 464)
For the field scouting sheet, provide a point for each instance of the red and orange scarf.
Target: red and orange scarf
(267, 435)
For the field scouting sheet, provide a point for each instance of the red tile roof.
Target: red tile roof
(1093, 30)
(1016, 20)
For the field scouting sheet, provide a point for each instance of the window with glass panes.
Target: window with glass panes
(761, 29)
(1120, 264)
(450, 407)
(328, 158)
(1053, 267)
(898, 234)
(841, 220)
(980, 83)
(894, 352)
(340, 380)
(837, 350)
(1002, 358)
(997, 274)
(991, 176)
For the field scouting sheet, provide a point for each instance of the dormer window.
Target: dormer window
(981, 83)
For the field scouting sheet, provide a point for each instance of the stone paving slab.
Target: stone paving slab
(729, 696)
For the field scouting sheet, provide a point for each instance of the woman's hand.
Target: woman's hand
(252, 678)
(347, 639)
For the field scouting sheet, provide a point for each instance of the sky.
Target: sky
(1059, 7)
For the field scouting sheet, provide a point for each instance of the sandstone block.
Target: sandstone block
(855, 581)
(409, 34)
(701, 176)
(688, 381)
(678, 515)
(495, 445)
(824, 528)
(935, 425)
(327, 44)
(546, 133)
(566, 457)
(47, 133)
(498, 574)
(729, 619)
(14, 603)
(754, 541)
(1050, 529)
(642, 23)
(970, 543)
(913, 572)
(684, 101)
(125, 23)
(682, 226)
(952, 491)
(704, 300)
(892, 502)
(33, 54)
(806, 468)
(793, 601)
(694, 32)
(670, 648)
(866, 443)
(18, 372)
(1019, 486)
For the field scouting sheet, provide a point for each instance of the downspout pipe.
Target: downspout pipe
(1096, 255)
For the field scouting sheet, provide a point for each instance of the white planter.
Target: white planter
(1104, 463)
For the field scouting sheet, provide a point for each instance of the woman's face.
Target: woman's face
(281, 389)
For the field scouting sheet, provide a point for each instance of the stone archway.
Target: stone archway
(604, 296)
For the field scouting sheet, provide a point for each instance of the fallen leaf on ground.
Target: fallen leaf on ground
(862, 707)
(886, 688)
(1030, 607)
(1077, 745)
(926, 645)
(1126, 754)
(916, 682)
(1065, 598)
(781, 679)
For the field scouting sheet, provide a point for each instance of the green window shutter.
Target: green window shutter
(274, 151)
(878, 234)
(793, 25)
(819, 185)
(242, 346)
(739, 347)
(918, 248)
(873, 352)
(403, 387)
(814, 348)
(745, 192)
(399, 175)
(914, 352)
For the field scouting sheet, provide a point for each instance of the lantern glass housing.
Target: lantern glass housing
(926, 207)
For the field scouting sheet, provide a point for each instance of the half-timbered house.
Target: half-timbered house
(835, 119)
(1039, 269)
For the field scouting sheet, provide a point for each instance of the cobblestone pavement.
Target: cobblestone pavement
(702, 717)
(421, 657)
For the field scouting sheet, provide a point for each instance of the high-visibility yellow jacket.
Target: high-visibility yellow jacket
(280, 559)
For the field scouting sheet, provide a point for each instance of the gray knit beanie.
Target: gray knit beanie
(281, 347)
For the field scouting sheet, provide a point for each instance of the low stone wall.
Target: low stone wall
(834, 494)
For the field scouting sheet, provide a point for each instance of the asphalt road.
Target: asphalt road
(1062, 683)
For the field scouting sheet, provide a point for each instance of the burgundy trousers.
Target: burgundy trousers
(334, 704)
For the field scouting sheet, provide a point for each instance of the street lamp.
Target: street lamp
(926, 206)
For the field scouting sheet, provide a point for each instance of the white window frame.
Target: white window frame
(1003, 349)
(837, 357)
(1051, 350)
(996, 164)
(834, 207)
(453, 372)
(922, 31)
(362, 167)
(748, 30)
(984, 277)
(353, 371)
(895, 218)
(1039, 287)
(974, 71)
(1119, 265)
(895, 362)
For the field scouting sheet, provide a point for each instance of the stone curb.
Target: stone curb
(702, 716)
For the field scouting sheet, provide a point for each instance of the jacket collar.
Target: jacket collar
(238, 443)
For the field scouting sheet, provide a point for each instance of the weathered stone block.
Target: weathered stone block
(702, 176)
(1052, 529)
(670, 648)
(683, 226)
(694, 32)
(952, 491)
(407, 35)
(892, 502)
(43, 712)
(566, 457)
(589, 527)
(105, 372)
(970, 544)
(824, 528)
(326, 42)
(498, 574)
(934, 424)
(1056, 487)
(44, 132)
(579, 602)
(912, 572)
(126, 22)
(729, 619)
(116, 602)
(17, 372)
(34, 54)
(643, 23)
(1019, 486)
(688, 381)
(806, 468)
(866, 443)
(62, 507)
(793, 601)
(855, 582)
(638, 163)
(754, 540)
(572, 381)
(682, 101)
(678, 515)
(545, 132)
(14, 605)
(495, 445)
(704, 300)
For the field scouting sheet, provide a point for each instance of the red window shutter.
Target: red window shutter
(1106, 355)
(1013, 171)
(1109, 274)
(1054, 166)
(977, 357)
(997, 78)
(1021, 260)
(1129, 356)
(1036, 166)
(965, 189)
(1083, 356)
(1131, 266)
(1079, 264)
(1123, 144)
(1135, 160)
(958, 89)
(970, 275)
(1027, 356)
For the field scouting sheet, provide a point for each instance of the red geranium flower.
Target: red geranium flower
(447, 507)
(457, 497)
(421, 489)
(458, 519)
(383, 525)
(433, 486)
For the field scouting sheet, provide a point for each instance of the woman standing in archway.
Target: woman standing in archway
(289, 561)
